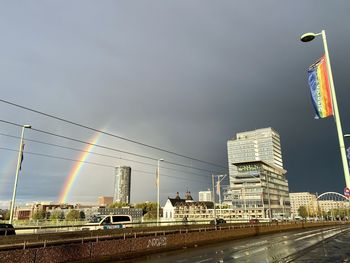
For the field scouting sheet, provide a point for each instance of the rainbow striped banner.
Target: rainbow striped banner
(320, 89)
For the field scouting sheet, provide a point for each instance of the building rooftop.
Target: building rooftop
(184, 202)
(252, 133)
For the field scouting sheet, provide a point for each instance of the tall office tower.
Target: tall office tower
(258, 184)
(259, 145)
(122, 184)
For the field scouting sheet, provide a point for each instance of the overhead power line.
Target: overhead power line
(177, 177)
(106, 147)
(87, 162)
(109, 134)
(95, 153)
(57, 157)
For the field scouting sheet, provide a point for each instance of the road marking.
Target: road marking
(327, 233)
(204, 260)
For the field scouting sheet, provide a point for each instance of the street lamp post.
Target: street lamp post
(283, 211)
(244, 201)
(318, 207)
(213, 196)
(222, 176)
(309, 37)
(268, 196)
(158, 177)
(19, 160)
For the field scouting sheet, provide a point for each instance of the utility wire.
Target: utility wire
(95, 153)
(109, 134)
(57, 157)
(182, 178)
(105, 147)
(93, 163)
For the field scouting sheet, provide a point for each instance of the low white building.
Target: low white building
(205, 196)
(178, 208)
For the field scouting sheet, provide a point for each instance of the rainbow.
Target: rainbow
(74, 172)
(320, 88)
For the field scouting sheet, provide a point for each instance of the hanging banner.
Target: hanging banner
(320, 88)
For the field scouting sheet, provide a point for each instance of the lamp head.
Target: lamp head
(27, 126)
(307, 37)
(161, 160)
(346, 135)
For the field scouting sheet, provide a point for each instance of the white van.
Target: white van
(108, 222)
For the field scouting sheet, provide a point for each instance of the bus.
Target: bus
(108, 222)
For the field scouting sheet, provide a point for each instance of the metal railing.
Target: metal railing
(61, 238)
(45, 227)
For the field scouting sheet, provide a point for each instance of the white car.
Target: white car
(108, 222)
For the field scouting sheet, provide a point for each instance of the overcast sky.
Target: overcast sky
(185, 76)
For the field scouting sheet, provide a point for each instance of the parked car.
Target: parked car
(185, 220)
(275, 220)
(254, 221)
(218, 221)
(7, 230)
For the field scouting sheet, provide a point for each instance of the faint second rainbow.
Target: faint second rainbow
(74, 172)
(8, 166)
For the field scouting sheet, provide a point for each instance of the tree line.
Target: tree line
(149, 211)
(340, 213)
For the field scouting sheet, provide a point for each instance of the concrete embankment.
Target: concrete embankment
(106, 247)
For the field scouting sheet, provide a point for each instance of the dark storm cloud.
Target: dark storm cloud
(184, 75)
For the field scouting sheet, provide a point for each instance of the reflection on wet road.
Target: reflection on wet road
(266, 248)
(334, 250)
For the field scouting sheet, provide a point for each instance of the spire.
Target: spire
(188, 196)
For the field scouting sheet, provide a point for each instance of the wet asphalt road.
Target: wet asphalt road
(335, 249)
(312, 245)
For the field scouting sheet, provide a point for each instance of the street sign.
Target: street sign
(347, 192)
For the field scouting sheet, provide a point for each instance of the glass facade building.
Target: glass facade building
(258, 183)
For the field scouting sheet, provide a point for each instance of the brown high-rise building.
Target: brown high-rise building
(105, 200)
